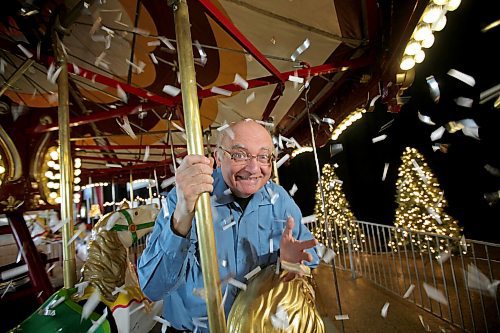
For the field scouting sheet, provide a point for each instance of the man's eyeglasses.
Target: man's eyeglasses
(241, 157)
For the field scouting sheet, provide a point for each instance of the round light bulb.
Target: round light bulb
(2, 169)
(77, 180)
(78, 162)
(432, 13)
(54, 155)
(422, 31)
(78, 172)
(428, 41)
(56, 166)
(439, 24)
(452, 5)
(420, 56)
(51, 163)
(53, 195)
(440, 2)
(413, 47)
(49, 174)
(407, 63)
(76, 188)
(57, 185)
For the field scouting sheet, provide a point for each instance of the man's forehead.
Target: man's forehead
(243, 146)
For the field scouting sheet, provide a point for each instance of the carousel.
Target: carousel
(101, 99)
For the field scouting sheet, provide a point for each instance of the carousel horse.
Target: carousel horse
(104, 277)
(271, 305)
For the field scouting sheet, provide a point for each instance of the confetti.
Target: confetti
(119, 290)
(342, 317)
(280, 320)
(384, 310)
(121, 93)
(239, 81)
(227, 191)
(126, 127)
(164, 205)
(433, 88)
(27, 53)
(419, 171)
(167, 43)
(278, 264)
(328, 256)
(274, 197)
(282, 160)
(91, 304)
(59, 225)
(164, 323)
(237, 284)
(153, 58)
(113, 165)
(271, 247)
(438, 133)
(425, 119)
(75, 236)
(467, 79)
(9, 286)
(265, 123)
(308, 219)
(304, 46)
(426, 327)
(250, 98)
(379, 138)
(154, 43)
(386, 167)
(55, 302)
(229, 225)
(443, 257)
(138, 308)
(220, 91)
(293, 190)
(296, 79)
(139, 68)
(198, 322)
(435, 294)
(434, 214)
(464, 101)
(463, 244)
(81, 287)
(252, 273)
(171, 90)
(480, 282)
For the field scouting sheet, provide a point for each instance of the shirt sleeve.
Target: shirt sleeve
(162, 265)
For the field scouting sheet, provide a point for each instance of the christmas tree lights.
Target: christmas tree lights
(422, 208)
(341, 220)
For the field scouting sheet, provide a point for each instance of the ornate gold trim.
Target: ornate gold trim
(13, 162)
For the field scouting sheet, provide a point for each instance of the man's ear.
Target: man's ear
(217, 157)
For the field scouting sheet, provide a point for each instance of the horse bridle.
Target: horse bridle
(131, 226)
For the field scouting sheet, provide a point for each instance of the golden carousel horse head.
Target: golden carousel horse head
(271, 305)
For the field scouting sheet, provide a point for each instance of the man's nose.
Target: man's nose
(252, 164)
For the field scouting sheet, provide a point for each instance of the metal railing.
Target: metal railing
(465, 272)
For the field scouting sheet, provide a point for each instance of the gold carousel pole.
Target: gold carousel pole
(66, 168)
(204, 227)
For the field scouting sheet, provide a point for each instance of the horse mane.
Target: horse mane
(105, 267)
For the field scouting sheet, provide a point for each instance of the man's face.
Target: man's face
(245, 178)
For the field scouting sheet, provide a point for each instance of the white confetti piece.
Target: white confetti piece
(274, 198)
(91, 304)
(126, 127)
(153, 58)
(121, 94)
(425, 119)
(55, 302)
(154, 43)
(426, 327)
(54, 77)
(164, 205)
(433, 88)
(409, 291)
(438, 133)
(320, 249)
(96, 324)
(467, 79)
(237, 284)
(167, 182)
(164, 323)
(419, 171)
(282, 160)
(295, 79)
(140, 31)
(75, 236)
(227, 191)
(9, 286)
(171, 90)
(250, 98)
(167, 43)
(81, 287)
(278, 265)
(386, 167)
(304, 46)
(27, 53)
(432, 212)
(443, 257)
(435, 294)
(280, 320)
(480, 282)
(473, 132)
(293, 190)
(220, 91)
(59, 225)
(384, 310)
(308, 219)
(224, 263)
(229, 225)
(199, 322)
(328, 256)
(379, 138)
(223, 127)
(138, 308)
(76, 69)
(252, 273)
(119, 290)
(146, 154)
(239, 81)
(139, 68)
(464, 101)
(271, 247)
(342, 317)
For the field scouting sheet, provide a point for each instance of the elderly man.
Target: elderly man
(253, 220)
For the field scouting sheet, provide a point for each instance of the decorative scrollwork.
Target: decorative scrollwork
(11, 204)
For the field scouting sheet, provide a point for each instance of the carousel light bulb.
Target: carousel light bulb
(54, 155)
(428, 41)
(57, 176)
(413, 47)
(53, 195)
(422, 31)
(49, 174)
(51, 163)
(78, 162)
(2, 169)
(57, 185)
(56, 166)
(420, 56)
(77, 172)
(452, 5)
(440, 2)
(432, 13)
(76, 188)
(50, 184)
(77, 180)
(439, 24)
(407, 63)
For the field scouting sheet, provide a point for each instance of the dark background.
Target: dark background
(460, 171)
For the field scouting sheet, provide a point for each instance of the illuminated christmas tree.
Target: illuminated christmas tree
(422, 208)
(341, 220)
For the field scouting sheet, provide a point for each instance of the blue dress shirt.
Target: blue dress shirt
(169, 267)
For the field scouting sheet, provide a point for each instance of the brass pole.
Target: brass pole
(276, 177)
(66, 165)
(203, 214)
(16, 76)
(131, 191)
